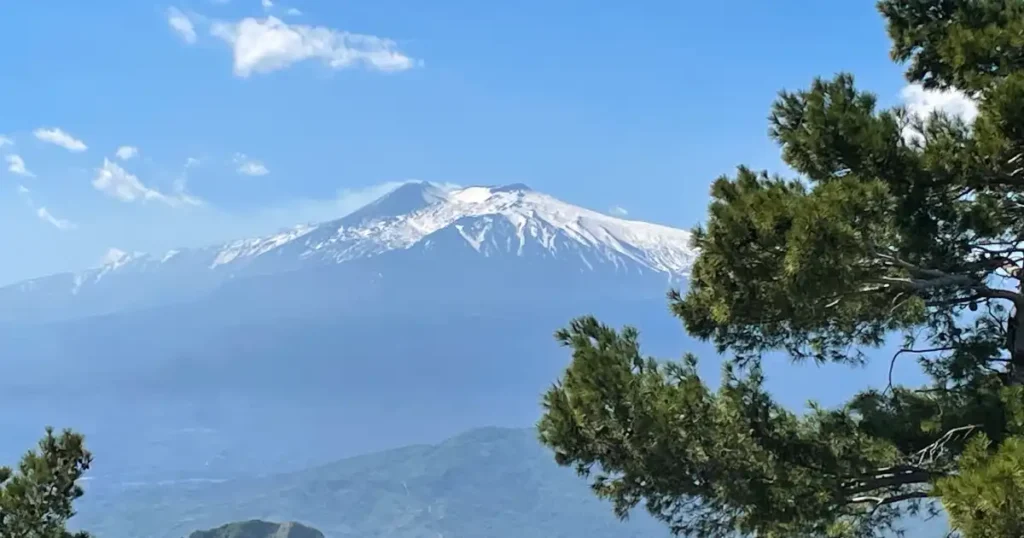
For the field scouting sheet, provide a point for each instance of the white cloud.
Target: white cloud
(118, 183)
(112, 256)
(286, 214)
(181, 24)
(250, 167)
(294, 12)
(267, 4)
(115, 181)
(58, 137)
(4, 141)
(60, 224)
(300, 211)
(263, 46)
(921, 102)
(180, 186)
(619, 211)
(154, 229)
(126, 152)
(42, 212)
(253, 168)
(16, 165)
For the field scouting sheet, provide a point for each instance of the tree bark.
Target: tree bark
(1015, 343)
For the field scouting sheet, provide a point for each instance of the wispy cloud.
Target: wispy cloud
(16, 165)
(60, 138)
(921, 102)
(618, 211)
(181, 24)
(126, 152)
(43, 213)
(293, 12)
(60, 224)
(289, 213)
(122, 185)
(156, 230)
(4, 141)
(267, 4)
(250, 167)
(299, 211)
(181, 182)
(112, 256)
(263, 46)
(117, 182)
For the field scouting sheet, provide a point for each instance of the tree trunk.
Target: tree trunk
(1015, 341)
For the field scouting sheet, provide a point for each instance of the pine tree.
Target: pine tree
(895, 225)
(36, 501)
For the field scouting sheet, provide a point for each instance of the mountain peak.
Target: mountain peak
(259, 529)
(406, 198)
(514, 187)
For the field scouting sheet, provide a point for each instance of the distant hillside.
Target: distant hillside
(259, 529)
(487, 483)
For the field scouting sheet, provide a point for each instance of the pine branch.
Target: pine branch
(927, 278)
(889, 477)
(861, 488)
(882, 501)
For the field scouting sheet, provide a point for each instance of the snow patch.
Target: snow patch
(472, 195)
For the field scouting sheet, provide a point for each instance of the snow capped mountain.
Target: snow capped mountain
(502, 223)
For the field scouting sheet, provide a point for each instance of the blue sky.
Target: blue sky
(247, 116)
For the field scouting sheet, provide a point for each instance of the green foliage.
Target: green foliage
(36, 500)
(986, 499)
(707, 462)
(896, 224)
(961, 44)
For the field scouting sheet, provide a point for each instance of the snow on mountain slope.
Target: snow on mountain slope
(491, 221)
(508, 219)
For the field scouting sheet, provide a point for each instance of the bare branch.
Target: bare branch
(882, 501)
(954, 301)
(931, 453)
(906, 479)
(889, 477)
(882, 486)
(934, 278)
(892, 362)
(962, 281)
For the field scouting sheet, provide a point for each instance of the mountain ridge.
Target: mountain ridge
(413, 198)
(490, 481)
(255, 528)
(414, 223)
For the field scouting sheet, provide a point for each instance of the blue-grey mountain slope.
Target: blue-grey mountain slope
(492, 483)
